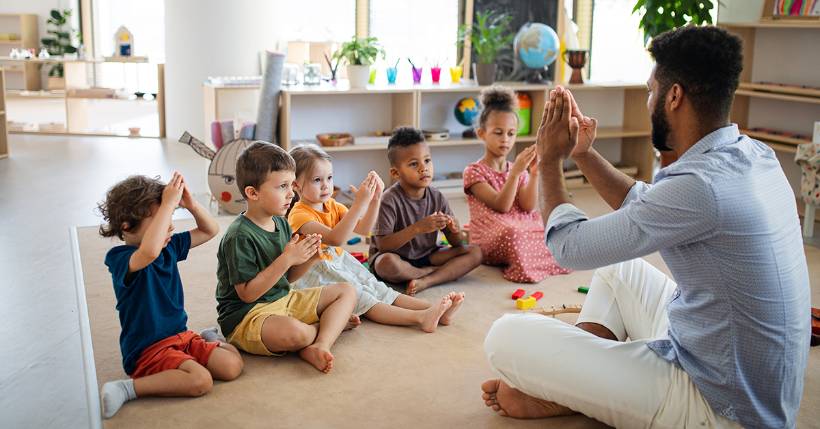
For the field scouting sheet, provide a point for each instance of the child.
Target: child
(160, 354)
(502, 196)
(318, 213)
(257, 260)
(412, 212)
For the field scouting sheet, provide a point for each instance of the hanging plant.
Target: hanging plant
(658, 16)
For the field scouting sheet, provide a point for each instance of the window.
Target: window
(423, 30)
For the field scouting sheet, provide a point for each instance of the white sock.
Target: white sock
(116, 393)
(211, 334)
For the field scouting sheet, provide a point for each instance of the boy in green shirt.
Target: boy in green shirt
(257, 260)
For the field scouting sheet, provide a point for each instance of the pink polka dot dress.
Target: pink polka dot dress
(514, 239)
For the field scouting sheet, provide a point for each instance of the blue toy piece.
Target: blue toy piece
(354, 240)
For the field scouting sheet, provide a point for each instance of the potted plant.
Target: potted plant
(59, 44)
(359, 53)
(489, 34)
(658, 16)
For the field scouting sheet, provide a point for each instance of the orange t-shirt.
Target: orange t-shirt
(330, 216)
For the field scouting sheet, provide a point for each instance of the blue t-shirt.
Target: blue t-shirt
(150, 301)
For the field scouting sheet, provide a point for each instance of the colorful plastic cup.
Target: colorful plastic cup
(455, 74)
(435, 74)
(372, 79)
(417, 74)
(392, 72)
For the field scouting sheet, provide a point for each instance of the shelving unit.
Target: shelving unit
(20, 76)
(755, 94)
(4, 136)
(78, 117)
(623, 135)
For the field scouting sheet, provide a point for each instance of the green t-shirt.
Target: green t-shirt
(246, 250)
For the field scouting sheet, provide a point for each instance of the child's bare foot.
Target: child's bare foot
(353, 322)
(510, 402)
(432, 315)
(320, 358)
(447, 317)
(416, 286)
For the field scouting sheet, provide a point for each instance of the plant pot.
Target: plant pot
(485, 73)
(358, 75)
(56, 83)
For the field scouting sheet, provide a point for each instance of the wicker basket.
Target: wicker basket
(335, 139)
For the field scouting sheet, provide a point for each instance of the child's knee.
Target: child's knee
(200, 383)
(233, 367)
(475, 254)
(388, 264)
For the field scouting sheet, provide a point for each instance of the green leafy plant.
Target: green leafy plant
(489, 34)
(60, 41)
(658, 16)
(360, 51)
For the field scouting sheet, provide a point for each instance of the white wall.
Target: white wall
(739, 10)
(212, 38)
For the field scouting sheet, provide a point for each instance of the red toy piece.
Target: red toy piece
(538, 295)
(360, 256)
(518, 293)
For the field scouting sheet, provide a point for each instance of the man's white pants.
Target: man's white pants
(623, 384)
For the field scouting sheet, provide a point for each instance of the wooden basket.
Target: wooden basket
(335, 139)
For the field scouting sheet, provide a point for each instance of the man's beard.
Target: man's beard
(660, 127)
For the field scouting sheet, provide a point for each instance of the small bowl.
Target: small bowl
(335, 139)
(134, 131)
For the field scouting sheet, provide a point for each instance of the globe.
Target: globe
(466, 111)
(537, 45)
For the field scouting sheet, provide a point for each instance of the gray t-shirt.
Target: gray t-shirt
(398, 211)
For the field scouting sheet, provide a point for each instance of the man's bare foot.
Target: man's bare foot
(430, 320)
(510, 402)
(320, 358)
(353, 322)
(457, 298)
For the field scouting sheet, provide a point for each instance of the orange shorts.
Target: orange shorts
(169, 353)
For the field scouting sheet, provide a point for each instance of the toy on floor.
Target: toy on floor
(583, 289)
(528, 302)
(562, 309)
(518, 293)
(354, 240)
(360, 256)
(815, 327)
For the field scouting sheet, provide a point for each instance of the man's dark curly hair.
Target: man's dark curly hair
(402, 137)
(705, 61)
(129, 202)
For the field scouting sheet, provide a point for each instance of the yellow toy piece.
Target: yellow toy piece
(525, 303)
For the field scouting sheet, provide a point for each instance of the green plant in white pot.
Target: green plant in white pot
(359, 53)
(489, 34)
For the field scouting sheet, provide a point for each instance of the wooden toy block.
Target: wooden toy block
(525, 303)
(519, 293)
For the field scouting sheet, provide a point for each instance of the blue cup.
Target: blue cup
(392, 72)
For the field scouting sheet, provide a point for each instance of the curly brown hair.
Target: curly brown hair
(128, 203)
(497, 98)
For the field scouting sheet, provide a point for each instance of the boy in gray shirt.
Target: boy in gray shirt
(404, 247)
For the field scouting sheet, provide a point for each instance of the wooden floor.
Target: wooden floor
(48, 185)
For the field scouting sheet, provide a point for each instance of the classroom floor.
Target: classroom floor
(47, 186)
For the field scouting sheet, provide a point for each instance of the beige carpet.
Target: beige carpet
(384, 376)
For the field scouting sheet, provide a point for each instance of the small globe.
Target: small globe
(466, 111)
(536, 45)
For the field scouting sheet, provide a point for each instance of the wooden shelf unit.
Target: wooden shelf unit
(76, 77)
(27, 76)
(307, 111)
(750, 92)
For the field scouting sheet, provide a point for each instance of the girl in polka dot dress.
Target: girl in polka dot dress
(502, 196)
